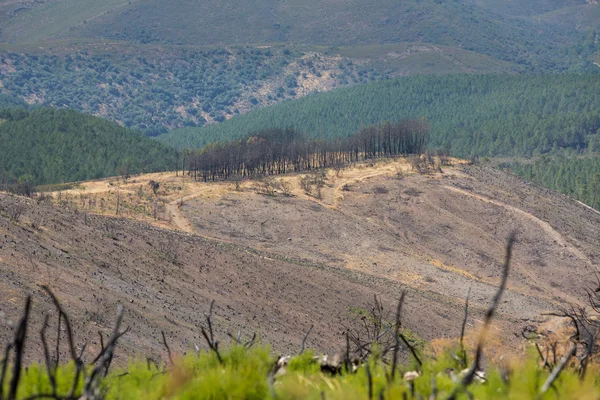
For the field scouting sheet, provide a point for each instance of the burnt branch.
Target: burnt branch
(375, 329)
(164, 338)
(58, 334)
(50, 369)
(7, 351)
(105, 358)
(396, 336)
(463, 353)
(470, 376)
(79, 367)
(558, 369)
(19, 348)
(209, 335)
(412, 349)
(251, 342)
(347, 355)
(369, 380)
(238, 340)
(91, 385)
(545, 363)
(306, 337)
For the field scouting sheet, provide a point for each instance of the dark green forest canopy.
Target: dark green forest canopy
(578, 177)
(7, 101)
(63, 145)
(469, 114)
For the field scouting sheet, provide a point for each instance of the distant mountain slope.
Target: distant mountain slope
(154, 88)
(581, 17)
(61, 146)
(452, 23)
(488, 27)
(526, 7)
(31, 21)
(469, 114)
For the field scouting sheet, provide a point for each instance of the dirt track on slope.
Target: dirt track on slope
(166, 280)
(278, 264)
(557, 237)
(177, 220)
(441, 233)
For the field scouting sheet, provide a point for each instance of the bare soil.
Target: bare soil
(437, 233)
(166, 281)
(277, 264)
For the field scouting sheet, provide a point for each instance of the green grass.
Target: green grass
(244, 375)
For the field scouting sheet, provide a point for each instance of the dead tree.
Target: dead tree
(84, 385)
(475, 366)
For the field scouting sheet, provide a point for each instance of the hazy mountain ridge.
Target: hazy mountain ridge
(493, 28)
(156, 65)
(527, 8)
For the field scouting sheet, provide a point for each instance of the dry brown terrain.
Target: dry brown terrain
(277, 264)
(441, 232)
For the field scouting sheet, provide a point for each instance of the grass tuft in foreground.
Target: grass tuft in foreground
(245, 374)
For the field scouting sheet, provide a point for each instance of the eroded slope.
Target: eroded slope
(166, 281)
(281, 262)
(439, 233)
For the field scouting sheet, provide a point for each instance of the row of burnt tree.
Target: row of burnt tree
(277, 151)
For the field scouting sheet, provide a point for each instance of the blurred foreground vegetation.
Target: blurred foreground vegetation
(249, 374)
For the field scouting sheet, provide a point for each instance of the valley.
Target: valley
(259, 199)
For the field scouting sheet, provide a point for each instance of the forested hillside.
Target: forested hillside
(7, 101)
(50, 146)
(484, 115)
(578, 177)
(156, 65)
(496, 31)
(154, 89)
(523, 32)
